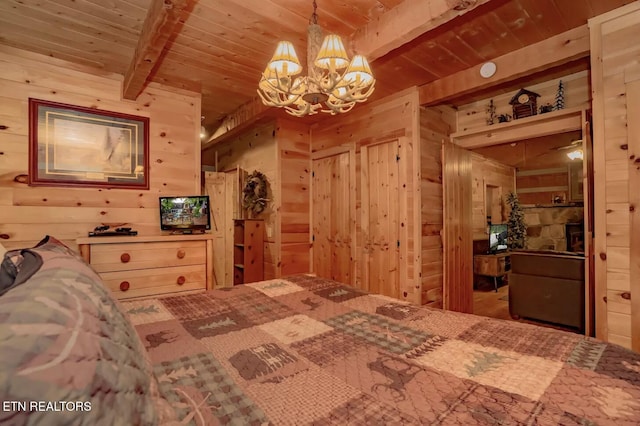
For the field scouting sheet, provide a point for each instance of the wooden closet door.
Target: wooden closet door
(223, 189)
(380, 218)
(215, 187)
(331, 211)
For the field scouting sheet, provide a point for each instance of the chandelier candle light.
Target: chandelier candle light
(326, 88)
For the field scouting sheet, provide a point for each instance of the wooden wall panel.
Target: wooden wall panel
(457, 236)
(294, 170)
(614, 79)
(279, 149)
(29, 213)
(542, 164)
(435, 126)
(633, 131)
(390, 116)
(490, 179)
(254, 150)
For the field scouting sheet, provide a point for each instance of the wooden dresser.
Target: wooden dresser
(143, 266)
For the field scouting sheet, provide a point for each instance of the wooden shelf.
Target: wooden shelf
(248, 251)
(562, 121)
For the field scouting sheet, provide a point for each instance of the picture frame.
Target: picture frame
(576, 185)
(85, 147)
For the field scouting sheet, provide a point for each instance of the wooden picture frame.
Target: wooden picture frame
(576, 185)
(85, 147)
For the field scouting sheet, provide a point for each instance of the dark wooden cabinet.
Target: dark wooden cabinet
(248, 251)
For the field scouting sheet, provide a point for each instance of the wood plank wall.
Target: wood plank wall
(542, 165)
(294, 179)
(456, 234)
(615, 72)
(255, 149)
(394, 117)
(278, 148)
(436, 124)
(576, 93)
(27, 214)
(487, 172)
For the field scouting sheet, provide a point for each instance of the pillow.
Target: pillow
(64, 338)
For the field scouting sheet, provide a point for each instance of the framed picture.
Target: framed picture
(75, 146)
(576, 186)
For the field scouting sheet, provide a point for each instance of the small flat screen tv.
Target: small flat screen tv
(497, 237)
(185, 215)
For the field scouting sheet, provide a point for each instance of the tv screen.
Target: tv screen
(185, 214)
(497, 237)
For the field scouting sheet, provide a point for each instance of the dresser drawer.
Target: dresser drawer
(126, 257)
(157, 281)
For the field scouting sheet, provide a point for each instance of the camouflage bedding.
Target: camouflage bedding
(305, 350)
(68, 354)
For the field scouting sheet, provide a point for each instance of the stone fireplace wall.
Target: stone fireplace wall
(546, 226)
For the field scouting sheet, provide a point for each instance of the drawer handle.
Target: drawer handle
(125, 257)
(181, 280)
(181, 254)
(124, 286)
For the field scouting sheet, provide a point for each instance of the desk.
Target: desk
(492, 265)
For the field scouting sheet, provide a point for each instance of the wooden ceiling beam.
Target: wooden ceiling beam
(163, 19)
(535, 58)
(405, 22)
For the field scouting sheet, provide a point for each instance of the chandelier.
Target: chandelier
(333, 84)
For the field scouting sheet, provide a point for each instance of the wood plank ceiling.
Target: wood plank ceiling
(221, 47)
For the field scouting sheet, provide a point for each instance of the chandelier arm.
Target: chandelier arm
(278, 98)
(338, 106)
(329, 82)
(355, 94)
(284, 93)
(304, 108)
(334, 110)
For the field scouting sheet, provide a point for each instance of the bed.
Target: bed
(307, 350)
(292, 351)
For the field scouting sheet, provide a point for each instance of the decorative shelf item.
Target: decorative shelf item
(525, 104)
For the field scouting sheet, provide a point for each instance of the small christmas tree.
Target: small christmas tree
(560, 96)
(517, 229)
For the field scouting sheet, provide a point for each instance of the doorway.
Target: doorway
(557, 193)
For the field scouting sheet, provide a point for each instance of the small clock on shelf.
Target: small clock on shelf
(525, 104)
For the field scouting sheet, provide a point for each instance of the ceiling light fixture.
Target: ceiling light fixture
(575, 154)
(488, 69)
(326, 88)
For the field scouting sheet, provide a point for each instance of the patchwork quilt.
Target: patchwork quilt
(306, 350)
